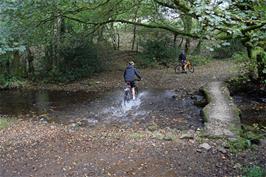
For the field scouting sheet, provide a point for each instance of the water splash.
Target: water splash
(132, 104)
(123, 109)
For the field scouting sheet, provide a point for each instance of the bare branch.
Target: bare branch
(254, 27)
(167, 28)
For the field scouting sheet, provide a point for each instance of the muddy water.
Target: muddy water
(89, 109)
(252, 107)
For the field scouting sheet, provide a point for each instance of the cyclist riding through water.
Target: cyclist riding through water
(130, 74)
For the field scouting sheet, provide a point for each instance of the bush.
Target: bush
(247, 136)
(228, 50)
(240, 57)
(254, 171)
(145, 61)
(9, 81)
(4, 122)
(79, 59)
(155, 52)
(198, 60)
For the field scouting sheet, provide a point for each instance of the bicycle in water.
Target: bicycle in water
(128, 95)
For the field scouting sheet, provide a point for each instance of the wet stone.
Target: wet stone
(222, 149)
(188, 135)
(205, 146)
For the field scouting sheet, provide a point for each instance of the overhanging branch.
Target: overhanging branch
(167, 28)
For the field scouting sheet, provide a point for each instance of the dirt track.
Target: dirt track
(35, 149)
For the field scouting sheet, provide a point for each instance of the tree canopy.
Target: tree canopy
(35, 22)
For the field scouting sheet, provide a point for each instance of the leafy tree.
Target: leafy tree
(46, 23)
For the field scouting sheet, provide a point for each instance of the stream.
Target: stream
(90, 108)
(252, 107)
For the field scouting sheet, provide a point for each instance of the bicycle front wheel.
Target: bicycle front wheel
(178, 69)
(190, 68)
(127, 96)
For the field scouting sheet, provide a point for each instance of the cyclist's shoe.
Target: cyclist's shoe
(134, 98)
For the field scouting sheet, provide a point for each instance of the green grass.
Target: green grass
(4, 123)
(247, 136)
(254, 171)
(137, 135)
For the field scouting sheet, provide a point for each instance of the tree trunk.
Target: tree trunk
(181, 43)
(30, 59)
(134, 37)
(187, 21)
(198, 48)
(187, 46)
(175, 37)
(56, 40)
(8, 67)
(249, 51)
(135, 26)
(16, 64)
(261, 66)
(114, 36)
(118, 41)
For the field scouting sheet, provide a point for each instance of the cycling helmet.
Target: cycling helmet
(131, 63)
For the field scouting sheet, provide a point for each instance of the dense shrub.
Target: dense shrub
(79, 58)
(79, 61)
(9, 81)
(254, 171)
(158, 51)
(227, 51)
(198, 59)
(240, 57)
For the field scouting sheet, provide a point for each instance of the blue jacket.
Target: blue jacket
(182, 57)
(130, 73)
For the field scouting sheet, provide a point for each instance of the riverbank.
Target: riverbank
(35, 149)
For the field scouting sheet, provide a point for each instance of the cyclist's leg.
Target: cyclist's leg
(133, 85)
(183, 62)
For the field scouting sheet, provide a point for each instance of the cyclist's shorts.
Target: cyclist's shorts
(183, 62)
(131, 83)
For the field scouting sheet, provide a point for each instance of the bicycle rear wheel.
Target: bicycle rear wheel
(178, 69)
(190, 68)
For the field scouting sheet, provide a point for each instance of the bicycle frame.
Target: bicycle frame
(179, 68)
(128, 92)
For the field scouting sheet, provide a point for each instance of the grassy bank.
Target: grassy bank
(5, 122)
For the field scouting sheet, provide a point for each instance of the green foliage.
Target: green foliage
(254, 171)
(4, 122)
(198, 59)
(79, 58)
(137, 135)
(247, 136)
(145, 61)
(9, 81)
(240, 57)
(38, 23)
(158, 51)
(239, 144)
(238, 83)
(228, 49)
